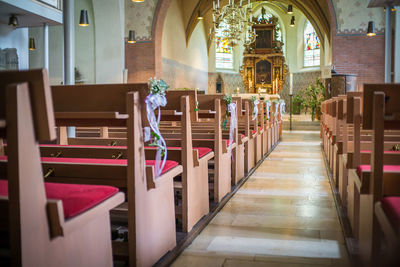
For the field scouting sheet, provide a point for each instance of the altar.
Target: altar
(264, 69)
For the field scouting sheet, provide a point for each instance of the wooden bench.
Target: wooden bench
(148, 196)
(69, 227)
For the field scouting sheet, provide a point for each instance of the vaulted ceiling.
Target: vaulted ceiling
(316, 11)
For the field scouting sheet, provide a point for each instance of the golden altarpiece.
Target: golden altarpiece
(264, 69)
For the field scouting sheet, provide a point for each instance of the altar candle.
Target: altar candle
(213, 4)
(240, 2)
(218, 4)
(291, 84)
(277, 85)
(248, 2)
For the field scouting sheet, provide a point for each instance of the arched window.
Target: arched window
(223, 52)
(312, 51)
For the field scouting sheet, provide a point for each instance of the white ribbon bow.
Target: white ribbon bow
(255, 109)
(155, 101)
(276, 112)
(268, 106)
(283, 105)
(232, 126)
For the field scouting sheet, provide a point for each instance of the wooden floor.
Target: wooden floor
(284, 215)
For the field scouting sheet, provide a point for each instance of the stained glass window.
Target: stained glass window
(312, 45)
(267, 17)
(224, 52)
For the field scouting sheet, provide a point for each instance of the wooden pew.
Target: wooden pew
(382, 178)
(148, 196)
(222, 153)
(69, 227)
(193, 187)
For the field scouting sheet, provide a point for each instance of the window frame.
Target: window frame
(313, 50)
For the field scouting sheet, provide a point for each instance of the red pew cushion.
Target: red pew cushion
(391, 206)
(386, 152)
(169, 164)
(75, 198)
(386, 168)
(203, 151)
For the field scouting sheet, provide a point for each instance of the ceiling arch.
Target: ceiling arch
(316, 12)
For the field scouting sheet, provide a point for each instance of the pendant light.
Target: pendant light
(131, 38)
(13, 21)
(292, 22)
(199, 16)
(32, 44)
(84, 19)
(290, 9)
(371, 29)
(137, 1)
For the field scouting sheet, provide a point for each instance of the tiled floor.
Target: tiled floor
(284, 215)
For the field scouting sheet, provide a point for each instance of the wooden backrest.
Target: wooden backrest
(207, 102)
(392, 107)
(97, 98)
(174, 101)
(41, 100)
(350, 105)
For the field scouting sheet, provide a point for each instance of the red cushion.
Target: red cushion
(391, 206)
(386, 168)
(386, 152)
(169, 164)
(76, 146)
(203, 151)
(227, 142)
(75, 198)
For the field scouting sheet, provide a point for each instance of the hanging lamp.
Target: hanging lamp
(371, 29)
(131, 38)
(13, 21)
(32, 44)
(292, 22)
(199, 16)
(84, 19)
(137, 1)
(290, 9)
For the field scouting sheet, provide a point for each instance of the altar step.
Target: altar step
(302, 125)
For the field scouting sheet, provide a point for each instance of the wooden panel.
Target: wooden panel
(392, 107)
(383, 3)
(41, 99)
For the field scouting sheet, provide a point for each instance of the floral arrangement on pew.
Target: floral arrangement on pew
(282, 106)
(267, 107)
(231, 109)
(255, 102)
(276, 102)
(155, 100)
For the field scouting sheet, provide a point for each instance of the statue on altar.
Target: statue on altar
(264, 67)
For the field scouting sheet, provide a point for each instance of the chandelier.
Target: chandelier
(234, 22)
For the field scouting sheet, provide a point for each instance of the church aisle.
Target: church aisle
(284, 215)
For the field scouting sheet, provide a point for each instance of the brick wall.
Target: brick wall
(358, 54)
(361, 55)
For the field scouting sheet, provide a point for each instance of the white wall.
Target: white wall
(84, 43)
(184, 65)
(56, 57)
(16, 38)
(109, 41)
(174, 41)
